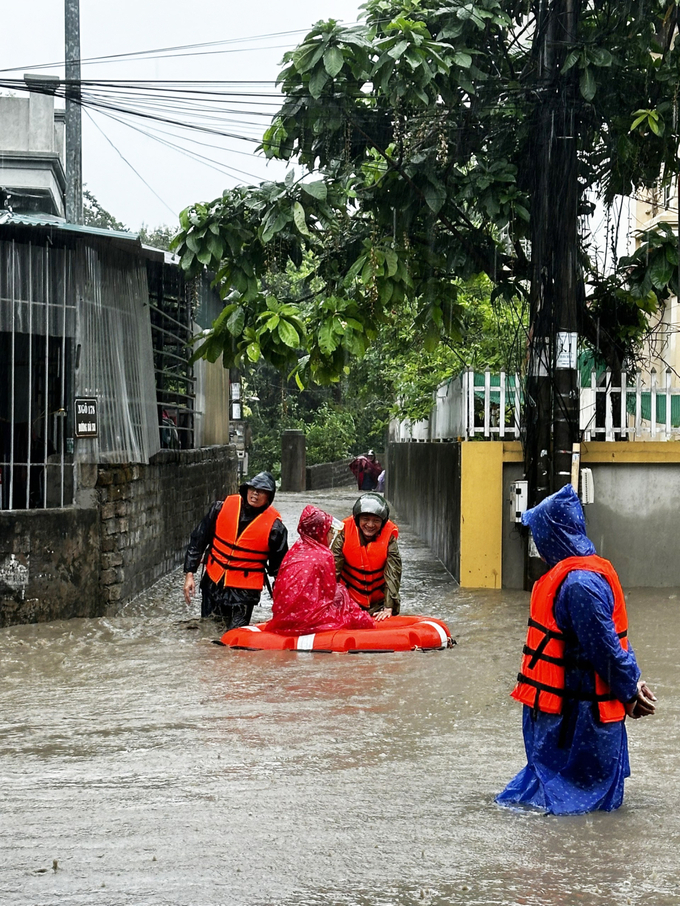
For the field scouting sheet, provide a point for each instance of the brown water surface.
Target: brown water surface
(153, 767)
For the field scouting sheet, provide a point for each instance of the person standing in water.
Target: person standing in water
(244, 537)
(579, 678)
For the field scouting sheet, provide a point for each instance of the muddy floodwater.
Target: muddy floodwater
(142, 764)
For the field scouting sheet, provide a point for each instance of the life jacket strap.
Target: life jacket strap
(565, 693)
(550, 633)
(236, 547)
(360, 573)
(558, 661)
(366, 588)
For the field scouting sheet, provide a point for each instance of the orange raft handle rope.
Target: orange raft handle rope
(400, 633)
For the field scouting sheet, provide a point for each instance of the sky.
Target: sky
(136, 178)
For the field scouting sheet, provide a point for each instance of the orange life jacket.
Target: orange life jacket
(363, 571)
(240, 565)
(540, 683)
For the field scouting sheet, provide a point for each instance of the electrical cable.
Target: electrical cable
(136, 172)
(162, 52)
(200, 158)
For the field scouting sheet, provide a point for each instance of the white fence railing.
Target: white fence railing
(485, 405)
(639, 410)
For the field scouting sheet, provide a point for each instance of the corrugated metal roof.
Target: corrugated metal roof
(10, 218)
(59, 223)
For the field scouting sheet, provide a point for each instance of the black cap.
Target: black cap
(263, 481)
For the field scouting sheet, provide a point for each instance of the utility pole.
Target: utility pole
(552, 403)
(74, 138)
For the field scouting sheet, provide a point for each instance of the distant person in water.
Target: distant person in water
(307, 596)
(579, 678)
(366, 470)
(367, 558)
(244, 537)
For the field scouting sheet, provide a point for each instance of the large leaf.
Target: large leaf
(194, 242)
(435, 196)
(317, 81)
(333, 61)
(398, 49)
(288, 334)
(253, 352)
(237, 321)
(661, 270)
(464, 60)
(215, 246)
(587, 84)
(317, 190)
(299, 218)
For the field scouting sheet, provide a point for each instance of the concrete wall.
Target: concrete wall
(49, 565)
(634, 521)
(32, 146)
(424, 484)
(28, 123)
(330, 475)
(513, 534)
(132, 527)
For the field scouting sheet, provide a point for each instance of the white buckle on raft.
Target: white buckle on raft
(442, 635)
(253, 628)
(306, 642)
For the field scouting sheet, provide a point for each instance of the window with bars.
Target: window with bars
(170, 300)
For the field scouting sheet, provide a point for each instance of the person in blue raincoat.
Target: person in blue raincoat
(579, 677)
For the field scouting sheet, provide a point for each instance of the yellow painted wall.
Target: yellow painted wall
(630, 452)
(481, 508)
(482, 497)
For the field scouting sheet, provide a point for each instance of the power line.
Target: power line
(169, 52)
(200, 158)
(136, 172)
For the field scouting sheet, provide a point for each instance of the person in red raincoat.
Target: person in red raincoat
(307, 597)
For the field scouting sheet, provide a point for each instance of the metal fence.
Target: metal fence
(642, 409)
(74, 329)
(482, 405)
(37, 333)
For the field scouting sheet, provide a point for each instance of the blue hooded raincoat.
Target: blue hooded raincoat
(576, 764)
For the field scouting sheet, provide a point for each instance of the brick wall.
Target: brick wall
(85, 561)
(49, 565)
(330, 475)
(148, 512)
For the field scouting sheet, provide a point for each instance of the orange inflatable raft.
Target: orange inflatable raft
(400, 633)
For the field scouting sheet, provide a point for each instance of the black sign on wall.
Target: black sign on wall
(86, 418)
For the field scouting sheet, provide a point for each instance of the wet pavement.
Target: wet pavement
(141, 764)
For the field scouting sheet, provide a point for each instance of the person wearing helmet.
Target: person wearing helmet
(241, 537)
(367, 558)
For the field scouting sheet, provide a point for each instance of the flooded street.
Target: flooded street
(142, 764)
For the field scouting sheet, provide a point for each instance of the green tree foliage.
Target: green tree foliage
(96, 216)
(159, 237)
(416, 135)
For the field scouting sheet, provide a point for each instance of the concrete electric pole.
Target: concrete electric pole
(74, 140)
(552, 404)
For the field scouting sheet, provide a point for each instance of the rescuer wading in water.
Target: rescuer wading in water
(243, 536)
(579, 677)
(367, 558)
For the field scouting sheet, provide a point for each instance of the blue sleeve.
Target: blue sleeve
(584, 607)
